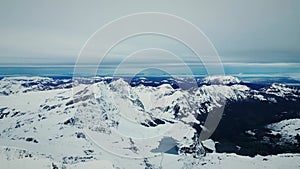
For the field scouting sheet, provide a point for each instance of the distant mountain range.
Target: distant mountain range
(68, 120)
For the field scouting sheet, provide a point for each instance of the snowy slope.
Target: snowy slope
(287, 129)
(17, 159)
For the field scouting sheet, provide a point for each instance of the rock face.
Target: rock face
(143, 120)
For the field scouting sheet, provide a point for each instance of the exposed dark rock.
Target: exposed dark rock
(76, 100)
(70, 121)
(2, 114)
(30, 139)
(138, 103)
(54, 166)
(80, 135)
(72, 160)
(88, 152)
(176, 110)
(158, 121)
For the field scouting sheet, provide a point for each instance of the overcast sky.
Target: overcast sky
(242, 31)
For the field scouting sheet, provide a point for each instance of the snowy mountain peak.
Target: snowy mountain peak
(282, 90)
(120, 83)
(221, 80)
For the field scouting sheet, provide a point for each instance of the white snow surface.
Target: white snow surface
(13, 159)
(288, 129)
(221, 80)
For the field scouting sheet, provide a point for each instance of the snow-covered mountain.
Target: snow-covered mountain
(70, 122)
(223, 80)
